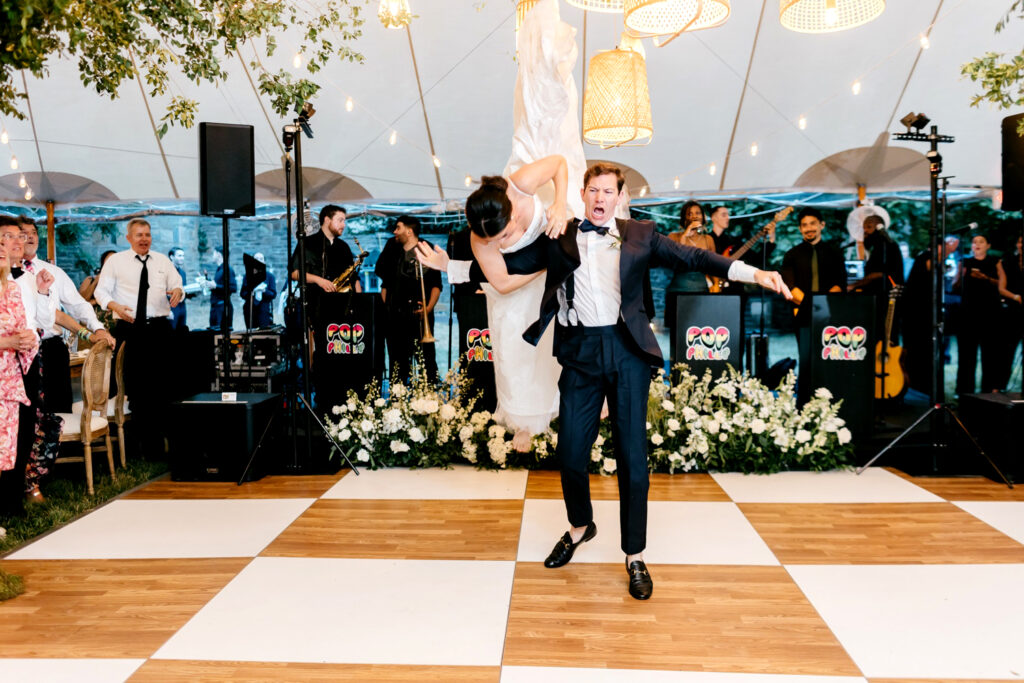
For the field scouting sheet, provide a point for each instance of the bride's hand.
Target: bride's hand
(432, 256)
(556, 220)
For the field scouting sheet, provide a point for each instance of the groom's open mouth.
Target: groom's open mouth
(598, 212)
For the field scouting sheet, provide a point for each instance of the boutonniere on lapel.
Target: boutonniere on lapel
(613, 232)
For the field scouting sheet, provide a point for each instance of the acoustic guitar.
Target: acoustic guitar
(890, 375)
(715, 283)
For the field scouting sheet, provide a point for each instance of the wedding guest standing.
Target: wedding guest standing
(978, 284)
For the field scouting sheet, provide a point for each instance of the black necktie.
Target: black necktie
(140, 306)
(587, 226)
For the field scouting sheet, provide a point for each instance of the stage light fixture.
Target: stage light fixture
(916, 121)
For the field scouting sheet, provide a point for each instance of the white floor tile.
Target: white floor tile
(68, 670)
(539, 674)
(460, 482)
(128, 529)
(838, 486)
(932, 621)
(354, 611)
(1006, 516)
(677, 533)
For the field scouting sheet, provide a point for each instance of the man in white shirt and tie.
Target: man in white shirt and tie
(140, 287)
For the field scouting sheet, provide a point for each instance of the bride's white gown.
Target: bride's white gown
(545, 120)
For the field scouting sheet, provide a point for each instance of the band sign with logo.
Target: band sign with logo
(707, 343)
(346, 339)
(843, 343)
(479, 347)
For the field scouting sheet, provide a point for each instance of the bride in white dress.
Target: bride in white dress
(538, 192)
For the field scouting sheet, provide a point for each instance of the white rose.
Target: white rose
(398, 390)
(757, 425)
(599, 441)
(344, 435)
(367, 410)
(802, 436)
(671, 434)
(648, 426)
(673, 424)
(366, 426)
(466, 433)
(338, 410)
(379, 403)
(363, 455)
(723, 437)
(343, 423)
(657, 439)
(668, 405)
(447, 412)
(595, 455)
(496, 431)
(844, 436)
(609, 465)
(689, 414)
(399, 447)
(416, 435)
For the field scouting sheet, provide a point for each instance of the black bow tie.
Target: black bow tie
(16, 273)
(587, 226)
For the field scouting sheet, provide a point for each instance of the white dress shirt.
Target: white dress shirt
(67, 296)
(119, 282)
(40, 310)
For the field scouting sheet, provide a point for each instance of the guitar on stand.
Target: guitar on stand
(716, 284)
(890, 375)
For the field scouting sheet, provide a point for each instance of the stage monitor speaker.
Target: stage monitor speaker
(1013, 164)
(994, 420)
(227, 175)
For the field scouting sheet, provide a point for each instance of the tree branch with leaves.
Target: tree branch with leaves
(1001, 75)
(118, 40)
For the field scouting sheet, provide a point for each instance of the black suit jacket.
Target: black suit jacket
(641, 247)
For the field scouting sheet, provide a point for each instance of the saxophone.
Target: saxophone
(346, 281)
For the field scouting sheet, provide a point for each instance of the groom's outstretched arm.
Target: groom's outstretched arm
(670, 253)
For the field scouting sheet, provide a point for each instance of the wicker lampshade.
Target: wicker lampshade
(394, 13)
(659, 17)
(826, 16)
(610, 6)
(616, 103)
(522, 7)
(713, 13)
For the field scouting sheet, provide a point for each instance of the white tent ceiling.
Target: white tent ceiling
(465, 52)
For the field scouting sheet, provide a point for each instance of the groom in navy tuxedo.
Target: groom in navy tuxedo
(604, 343)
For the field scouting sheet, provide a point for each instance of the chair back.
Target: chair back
(95, 385)
(119, 397)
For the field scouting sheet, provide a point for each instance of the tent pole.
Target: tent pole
(152, 123)
(743, 93)
(51, 232)
(426, 121)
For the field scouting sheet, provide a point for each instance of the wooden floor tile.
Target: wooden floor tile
(106, 608)
(311, 486)
(934, 680)
(879, 533)
(700, 618)
(404, 529)
(159, 671)
(671, 487)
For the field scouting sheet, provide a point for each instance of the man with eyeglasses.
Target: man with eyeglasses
(40, 314)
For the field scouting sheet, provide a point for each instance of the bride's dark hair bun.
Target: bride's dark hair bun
(488, 209)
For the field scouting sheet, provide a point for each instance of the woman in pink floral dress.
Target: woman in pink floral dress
(18, 347)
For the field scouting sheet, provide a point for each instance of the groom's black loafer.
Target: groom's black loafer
(564, 549)
(640, 584)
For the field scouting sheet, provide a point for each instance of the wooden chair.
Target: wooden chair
(120, 412)
(89, 423)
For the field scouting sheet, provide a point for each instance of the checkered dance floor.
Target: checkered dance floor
(437, 575)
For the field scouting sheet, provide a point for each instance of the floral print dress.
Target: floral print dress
(12, 365)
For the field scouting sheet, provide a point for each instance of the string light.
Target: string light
(802, 123)
(14, 162)
(711, 169)
(925, 42)
(394, 137)
(349, 104)
(28, 194)
(297, 60)
(437, 162)
(3, 136)
(22, 183)
(753, 150)
(675, 183)
(856, 87)
(469, 180)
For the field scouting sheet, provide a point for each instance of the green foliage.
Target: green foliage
(11, 586)
(117, 40)
(1001, 75)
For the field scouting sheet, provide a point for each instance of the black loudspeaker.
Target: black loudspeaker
(1013, 164)
(994, 420)
(216, 438)
(227, 170)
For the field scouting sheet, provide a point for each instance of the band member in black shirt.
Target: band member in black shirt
(813, 266)
(883, 270)
(402, 290)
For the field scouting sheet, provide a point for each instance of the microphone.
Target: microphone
(964, 228)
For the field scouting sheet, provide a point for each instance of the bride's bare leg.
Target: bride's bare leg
(604, 410)
(521, 441)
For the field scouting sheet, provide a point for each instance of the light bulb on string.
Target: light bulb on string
(856, 87)
(22, 183)
(469, 180)
(4, 137)
(28, 194)
(711, 169)
(297, 60)
(14, 162)
(802, 123)
(394, 137)
(675, 183)
(925, 42)
(349, 104)
(437, 162)
(753, 150)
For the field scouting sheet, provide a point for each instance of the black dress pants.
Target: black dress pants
(57, 395)
(599, 363)
(149, 379)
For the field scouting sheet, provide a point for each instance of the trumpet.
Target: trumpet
(427, 338)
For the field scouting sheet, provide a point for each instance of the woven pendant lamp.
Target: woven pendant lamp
(610, 6)
(827, 16)
(522, 7)
(394, 13)
(616, 102)
(659, 17)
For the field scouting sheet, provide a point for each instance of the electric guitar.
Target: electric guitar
(890, 376)
(715, 286)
